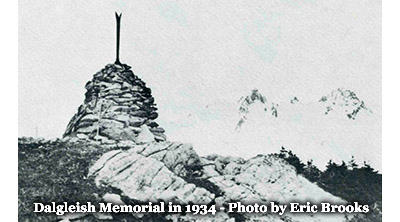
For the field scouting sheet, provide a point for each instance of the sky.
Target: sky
(198, 57)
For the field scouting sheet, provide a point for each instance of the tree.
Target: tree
(352, 163)
(292, 159)
(311, 172)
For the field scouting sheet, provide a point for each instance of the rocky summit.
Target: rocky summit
(173, 172)
(117, 107)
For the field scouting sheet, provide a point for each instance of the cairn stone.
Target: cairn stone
(117, 107)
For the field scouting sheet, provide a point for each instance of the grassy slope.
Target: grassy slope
(53, 171)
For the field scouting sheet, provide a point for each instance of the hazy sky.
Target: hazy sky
(195, 55)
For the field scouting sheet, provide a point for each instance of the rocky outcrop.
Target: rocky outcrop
(118, 106)
(167, 171)
(151, 172)
(262, 178)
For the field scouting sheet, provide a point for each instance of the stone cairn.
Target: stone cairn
(118, 107)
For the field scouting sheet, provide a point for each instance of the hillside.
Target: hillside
(70, 171)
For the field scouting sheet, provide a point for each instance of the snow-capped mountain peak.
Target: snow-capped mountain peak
(255, 101)
(343, 100)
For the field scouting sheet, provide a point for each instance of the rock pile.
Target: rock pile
(118, 107)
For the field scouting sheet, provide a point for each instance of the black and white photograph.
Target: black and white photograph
(192, 111)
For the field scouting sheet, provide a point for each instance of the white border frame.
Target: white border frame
(390, 109)
(9, 110)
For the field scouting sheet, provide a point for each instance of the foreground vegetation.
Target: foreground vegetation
(349, 181)
(54, 171)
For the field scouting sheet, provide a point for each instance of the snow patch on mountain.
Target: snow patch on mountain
(343, 100)
(255, 102)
